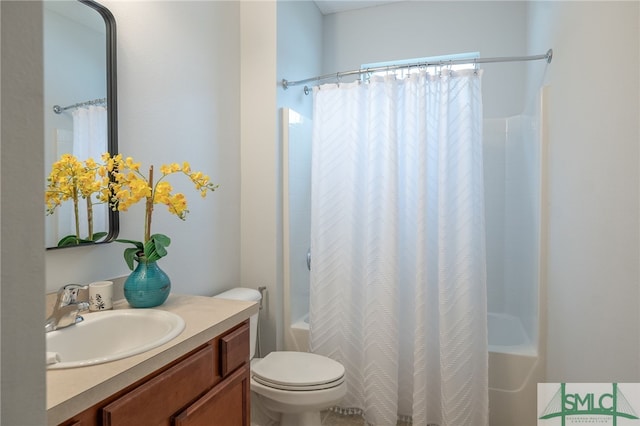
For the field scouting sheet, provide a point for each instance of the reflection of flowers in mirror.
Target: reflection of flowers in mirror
(119, 182)
(72, 179)
(129, 186)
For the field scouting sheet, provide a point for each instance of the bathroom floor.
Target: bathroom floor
(329, 418)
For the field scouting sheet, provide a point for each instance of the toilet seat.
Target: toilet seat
(298, 371)
(299, 388)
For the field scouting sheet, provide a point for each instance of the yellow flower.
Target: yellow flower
(130, 164)
(71, 179)
(129, 186)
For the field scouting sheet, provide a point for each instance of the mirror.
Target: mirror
(80, 109)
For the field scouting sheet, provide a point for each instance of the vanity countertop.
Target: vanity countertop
(70, 391)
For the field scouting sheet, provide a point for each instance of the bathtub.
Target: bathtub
(514, 372)
(514, 368)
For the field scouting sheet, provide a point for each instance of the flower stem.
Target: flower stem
(89, 218)
(149, 208)
(76, 212)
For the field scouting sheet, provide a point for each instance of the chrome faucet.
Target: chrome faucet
(67, 307)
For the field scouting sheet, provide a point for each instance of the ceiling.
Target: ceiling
(333, 6)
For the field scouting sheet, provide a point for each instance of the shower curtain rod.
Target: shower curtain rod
(58, 109)
(548, 56)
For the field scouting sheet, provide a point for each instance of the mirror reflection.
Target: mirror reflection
(79, 96)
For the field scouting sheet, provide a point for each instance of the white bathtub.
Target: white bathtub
(514, 372)
(514, 368)
(506, 335)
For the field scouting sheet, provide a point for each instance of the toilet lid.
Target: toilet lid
(298, 371)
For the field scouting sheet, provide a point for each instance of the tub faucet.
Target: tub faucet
(67, 307)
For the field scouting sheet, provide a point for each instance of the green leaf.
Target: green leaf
(160, 245)
(138, 244)
(162, 239)
(98, 235)
(150, 251)
(160, 250)
(130, 254)
(69, 240)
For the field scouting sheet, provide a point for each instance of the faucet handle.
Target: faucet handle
(83, 306)
(68, 294)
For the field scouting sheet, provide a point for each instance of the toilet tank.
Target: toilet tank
(250, 295)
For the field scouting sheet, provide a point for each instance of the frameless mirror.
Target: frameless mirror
(80, 109)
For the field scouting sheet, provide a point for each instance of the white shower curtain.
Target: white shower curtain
(398, 278)
(90, 141)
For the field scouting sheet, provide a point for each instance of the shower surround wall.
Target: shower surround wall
(512, 191)
(512, 161)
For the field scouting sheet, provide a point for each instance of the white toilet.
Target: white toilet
(294, 386)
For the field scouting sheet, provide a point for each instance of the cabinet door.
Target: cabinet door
(155, 401)
(234, 349)
(227, 404)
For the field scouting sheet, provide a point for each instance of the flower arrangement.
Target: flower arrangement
(71, 179)
(119, 182)
(128, 186)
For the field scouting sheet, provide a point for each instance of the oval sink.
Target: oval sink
(111, 335)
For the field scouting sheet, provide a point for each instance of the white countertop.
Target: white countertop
(71, 391)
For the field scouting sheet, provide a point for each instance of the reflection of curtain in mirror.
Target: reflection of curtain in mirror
(90, 141)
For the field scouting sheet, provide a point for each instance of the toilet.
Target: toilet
(292, 387)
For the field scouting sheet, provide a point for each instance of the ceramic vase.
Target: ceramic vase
(147, 286)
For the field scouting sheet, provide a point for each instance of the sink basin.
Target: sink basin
(111, 335)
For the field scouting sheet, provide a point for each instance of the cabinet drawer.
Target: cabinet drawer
(234, 349)
(161, 397)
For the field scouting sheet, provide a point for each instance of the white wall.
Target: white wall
(299, 54)
(22, 389)
(178, 100)
(593, 242)
(261, 236)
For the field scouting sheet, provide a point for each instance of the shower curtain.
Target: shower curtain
(398, 277)
(90, 141)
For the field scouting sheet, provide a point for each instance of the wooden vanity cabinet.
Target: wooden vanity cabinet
(207, 387)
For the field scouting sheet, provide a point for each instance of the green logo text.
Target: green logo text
(565, 404)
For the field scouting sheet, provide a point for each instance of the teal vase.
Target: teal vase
(147, 286)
